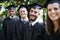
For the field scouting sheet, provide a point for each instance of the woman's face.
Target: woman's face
(53, 11)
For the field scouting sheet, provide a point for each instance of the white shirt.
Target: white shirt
(26, 19)
(33, 23)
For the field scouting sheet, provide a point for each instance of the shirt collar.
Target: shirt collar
(12, 17)
(26, 19)
(33, 23)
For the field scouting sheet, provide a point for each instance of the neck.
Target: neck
(23, 18)
(56, 25)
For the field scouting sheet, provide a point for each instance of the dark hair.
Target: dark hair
(50, 25)
(22, 6)
(51, 2)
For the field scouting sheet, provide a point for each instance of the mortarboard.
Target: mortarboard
(23, 6)
(11, 7)
(35, 6)
(51, 1)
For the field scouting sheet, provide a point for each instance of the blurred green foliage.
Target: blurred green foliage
(17, 3)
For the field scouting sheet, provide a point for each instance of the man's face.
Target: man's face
(34, 13)
(23, 12)
(11, 12)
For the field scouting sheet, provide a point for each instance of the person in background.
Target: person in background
(9, 24)
(20, 25)
(23, 12)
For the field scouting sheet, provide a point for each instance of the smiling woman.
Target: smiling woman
(53, 20)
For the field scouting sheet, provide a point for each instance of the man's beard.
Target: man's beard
(34, 18)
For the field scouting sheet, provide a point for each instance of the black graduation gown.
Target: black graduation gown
(26, 32)
(32, 32)
(21, 30)
(1, 35)
(54, 36)
(9, 28)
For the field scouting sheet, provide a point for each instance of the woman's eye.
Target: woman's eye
(49, 9)
(55, 8)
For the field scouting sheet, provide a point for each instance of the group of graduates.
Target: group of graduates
(27, 27)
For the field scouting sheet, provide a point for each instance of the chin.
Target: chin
(54, 19)
(32, 19)
(23, 16)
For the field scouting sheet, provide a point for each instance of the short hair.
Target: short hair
(22, 6)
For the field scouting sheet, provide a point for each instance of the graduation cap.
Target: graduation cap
(35, 6)
(50, 2)
(23, 6)
(11, 7)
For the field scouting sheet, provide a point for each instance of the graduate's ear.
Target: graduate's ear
(8, 11)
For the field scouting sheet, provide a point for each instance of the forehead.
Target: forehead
(53, 5)
(23, 8)
(34, 9)
(11, 10)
